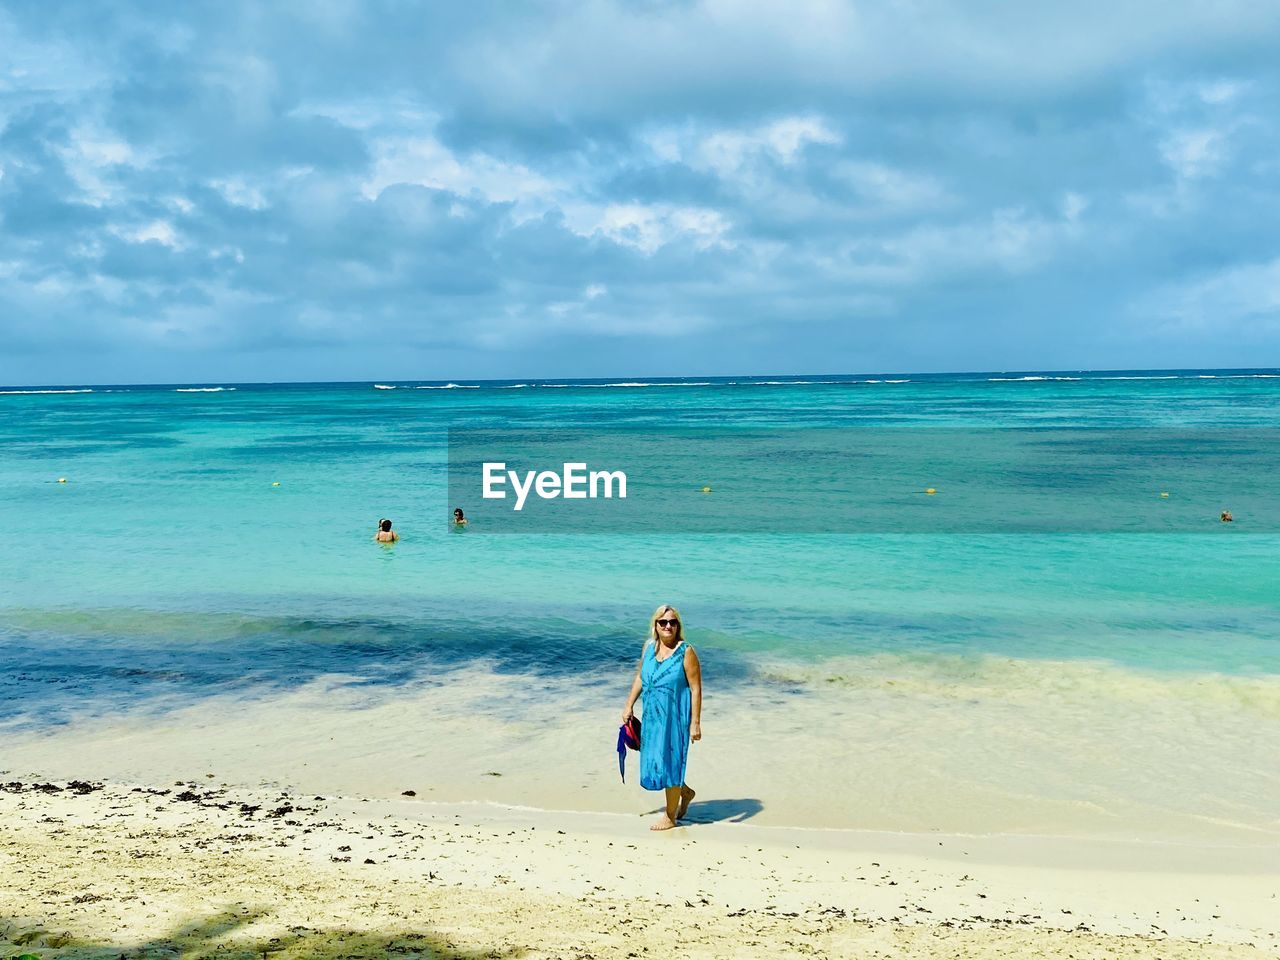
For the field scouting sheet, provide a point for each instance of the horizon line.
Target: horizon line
(635, 378)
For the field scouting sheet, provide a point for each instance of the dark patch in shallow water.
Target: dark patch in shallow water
(52, 678)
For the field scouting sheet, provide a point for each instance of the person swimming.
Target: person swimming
(1226, 517)
(458, 519)
(385, 534)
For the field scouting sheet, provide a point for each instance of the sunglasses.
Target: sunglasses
(667, 623)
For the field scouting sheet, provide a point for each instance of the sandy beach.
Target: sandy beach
(880, 402)
(203, 869)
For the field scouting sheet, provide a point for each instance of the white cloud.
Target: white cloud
(888, 187)
(521, 323)
(240, 193)
(385, 114)
(787, 137)
(249, 84)
(233, 253)
(400, 133)
(1241, 299)
(91, 157)
(728, 151)
(56, 67)
(1195, 123)
(1073, 205)
(648, 227)
(1009, 240)
(157, 231)
(828, 52)
(103, 153)
(1194, 154)
(1221, 91)
(664, 144)
(215, 321)
(755, 164)
(424, 161)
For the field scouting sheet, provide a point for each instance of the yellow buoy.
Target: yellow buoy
(706, 489)
(931, 491)
(62, 479)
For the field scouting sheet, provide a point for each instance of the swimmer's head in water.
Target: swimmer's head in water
(457, 514)
(385, 525)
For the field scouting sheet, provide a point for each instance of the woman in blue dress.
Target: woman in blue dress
(669, 680)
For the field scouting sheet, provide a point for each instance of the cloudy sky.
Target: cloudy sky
(367, 190)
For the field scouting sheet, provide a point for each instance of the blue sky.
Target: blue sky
(368, 190)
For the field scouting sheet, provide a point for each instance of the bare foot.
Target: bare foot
(686, 797)
(662, 823)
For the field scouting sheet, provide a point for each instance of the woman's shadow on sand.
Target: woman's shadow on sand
(719, 811)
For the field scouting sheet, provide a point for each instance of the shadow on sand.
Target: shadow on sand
(222, 936)
(718, 811)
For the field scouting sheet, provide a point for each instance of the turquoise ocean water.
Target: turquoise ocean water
(214, 542)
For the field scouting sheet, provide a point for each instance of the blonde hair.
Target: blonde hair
(653, 623)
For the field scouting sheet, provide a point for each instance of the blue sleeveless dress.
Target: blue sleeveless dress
(668, 707)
